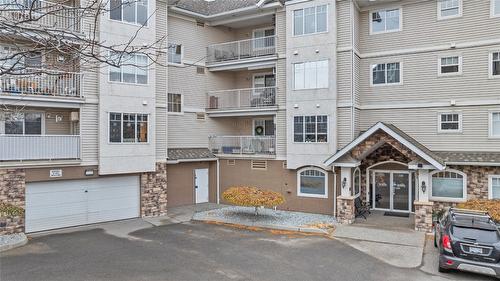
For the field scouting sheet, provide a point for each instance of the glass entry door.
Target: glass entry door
(392, 190)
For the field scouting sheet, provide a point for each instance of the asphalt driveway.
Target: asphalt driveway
(193, 251)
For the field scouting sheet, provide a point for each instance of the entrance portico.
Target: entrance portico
(387, 169)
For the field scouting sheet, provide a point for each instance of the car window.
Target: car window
(477, 235)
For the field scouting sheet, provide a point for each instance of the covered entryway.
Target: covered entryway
(58, 204)
(392, 190)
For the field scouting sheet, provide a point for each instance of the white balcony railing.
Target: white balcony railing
(242, 145)
(242, 98)
(244, 49)
(42, 13)
(39, 147)
(42, 82)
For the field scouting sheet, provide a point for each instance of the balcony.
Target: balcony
(250, 101)
(42, 13)
(243, 145)
(39, 147)
(43, 83)
(249, 50)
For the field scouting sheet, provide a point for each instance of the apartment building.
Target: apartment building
(325, 101)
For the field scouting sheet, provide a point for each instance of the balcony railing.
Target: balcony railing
(42, 13)
(244, 49)
(42, 82)
(242, 145)
(39, 147)
(242, 98)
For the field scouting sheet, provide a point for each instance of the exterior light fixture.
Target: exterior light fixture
(423, 186)
(344, 183)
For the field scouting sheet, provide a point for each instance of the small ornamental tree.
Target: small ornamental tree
(253, 197)
(490, 206)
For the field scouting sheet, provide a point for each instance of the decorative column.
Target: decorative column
(345, 202)
(423, 207)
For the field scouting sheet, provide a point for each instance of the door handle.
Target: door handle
(195, 187)
(86, 191)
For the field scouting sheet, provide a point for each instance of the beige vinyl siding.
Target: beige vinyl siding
(62, 127)
(281, 26)
(421, 27)
(344, 72)
(422, 84)
(344, 27)
(161, 133)
(280, 121)
(89, 120)
(422, 124)
(343, 127)
(161, 86)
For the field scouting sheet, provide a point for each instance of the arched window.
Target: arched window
(312, 182)
(449, 185)
(356, 182)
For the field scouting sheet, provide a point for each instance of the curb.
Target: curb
(22, 242)
(268, 226)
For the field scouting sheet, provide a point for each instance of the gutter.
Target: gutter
(258, 6)
(178, 161)
(486, 164)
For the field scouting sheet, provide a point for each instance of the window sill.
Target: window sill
(449, 74)
(446, 199)
(176, 64)
(440, 18)
(312, 196)
(175, 113)
(385, 31)
(130, 23)
(127, 83)
(309, 34)
(386, 85)
(450, 132)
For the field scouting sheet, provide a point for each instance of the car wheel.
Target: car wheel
(443, 270)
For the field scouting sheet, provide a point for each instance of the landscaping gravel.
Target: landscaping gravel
(266, 218)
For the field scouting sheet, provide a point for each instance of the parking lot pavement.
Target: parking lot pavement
(194, 251)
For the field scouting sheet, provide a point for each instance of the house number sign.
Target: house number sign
(55, 173)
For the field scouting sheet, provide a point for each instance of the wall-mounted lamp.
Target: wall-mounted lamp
(344, 183)
(423, 186)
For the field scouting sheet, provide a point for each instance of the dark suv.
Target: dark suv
(468, 241)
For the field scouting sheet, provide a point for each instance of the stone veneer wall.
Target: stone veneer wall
(423, 216)
(154, 192)
(346, 213)
(12, 191)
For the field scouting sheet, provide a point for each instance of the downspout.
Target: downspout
(218, 181)
(334, 192)
(352, 69)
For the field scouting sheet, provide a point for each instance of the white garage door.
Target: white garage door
(58, 204)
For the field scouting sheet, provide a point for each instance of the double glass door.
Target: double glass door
(392, 190)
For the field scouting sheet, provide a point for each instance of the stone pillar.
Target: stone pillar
(423, 216)
(12, 191)
(154, 192)
(345, 210)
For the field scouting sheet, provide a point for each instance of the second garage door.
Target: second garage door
(58, 204)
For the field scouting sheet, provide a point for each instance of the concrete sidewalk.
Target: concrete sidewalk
(397, 247)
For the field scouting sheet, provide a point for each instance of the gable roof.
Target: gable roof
(397, 134)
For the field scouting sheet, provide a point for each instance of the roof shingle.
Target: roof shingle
(189, 153)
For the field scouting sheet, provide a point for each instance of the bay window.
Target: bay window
(310, 20)
(312, 182)
(310, 128)
(449, 186)
(128, 128)
(311, 75)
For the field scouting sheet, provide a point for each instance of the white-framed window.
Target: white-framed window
(132, 69)
(495, 124)
(310, 20)
(263, 127)
(449, 185)
(386, 74)
(383, 21)
(175, 53)
(356, 182)
(23, 123)
(449, 9)
(311, 75)
(495, 8)
(494, 68)
(312, 182)
(135, 12)
(128, 128)
(494, 187)
(174, 103)
(450, 122)
(451, 65)
(263, 38)
(310, 129)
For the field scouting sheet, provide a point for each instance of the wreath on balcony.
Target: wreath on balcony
(259, 130)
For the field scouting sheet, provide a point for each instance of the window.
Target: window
(28, 123)
(495, 124)
(128, 128)
(495, 64)
(356, 182)
(386, 73)
(129, 69)
(449, 9)
(494, 187)
(310, 20)
(385, 21)
(310, 128)
(495, 8)
(450, 65)
(312, 182)
(311, 75)
(175, 53)
(449, 186)
(135, 12)
(263, 127)
(450, 122)
(263, 38)
(174, 103)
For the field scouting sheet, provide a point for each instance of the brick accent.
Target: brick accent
(346, 213)
(12, 191)
(423, 216)
(154, 192)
